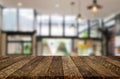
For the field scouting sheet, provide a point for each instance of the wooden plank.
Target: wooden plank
(11, 69)
(40, 71)
(115, 58)
(56, 69)
(105, 73)
(112, 64)
(26, 69)
(70, 70)
(85, 69)
(3, 57)
(10, 61)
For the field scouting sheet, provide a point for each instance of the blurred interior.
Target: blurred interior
(28, 31)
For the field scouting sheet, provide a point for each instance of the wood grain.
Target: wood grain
(26, 69)
(70, 69)
(31, 67)
(41, 69)
(84, 68)
(12, 68)
(56, 68)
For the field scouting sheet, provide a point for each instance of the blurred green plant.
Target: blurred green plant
(63, 49)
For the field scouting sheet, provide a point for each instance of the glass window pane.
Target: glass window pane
(8, 24)
(57, 26)
(37, 24)
(70, 26)
(94, 25)
(27, 48)
(84, 34)
(83, 29)
(110, 23)
(117, 27)
(14, 48)
(44, 25)
(26, 20)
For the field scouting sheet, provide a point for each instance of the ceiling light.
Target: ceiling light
(57, 5)
(19, 4)
(94, 7)
(72, 5)
(79, 18)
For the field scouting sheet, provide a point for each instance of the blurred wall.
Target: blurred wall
(3, 44)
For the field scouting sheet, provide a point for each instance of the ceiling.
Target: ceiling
(48, 7)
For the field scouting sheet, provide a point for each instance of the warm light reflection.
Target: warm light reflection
(19, 4)
(95, 9)
(79, 20)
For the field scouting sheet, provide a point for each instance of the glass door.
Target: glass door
(56, 47)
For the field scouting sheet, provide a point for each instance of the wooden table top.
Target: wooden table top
(30, 67)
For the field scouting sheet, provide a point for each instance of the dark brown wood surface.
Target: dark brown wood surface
(30, 67)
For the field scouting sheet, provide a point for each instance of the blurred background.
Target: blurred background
(60, 27)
